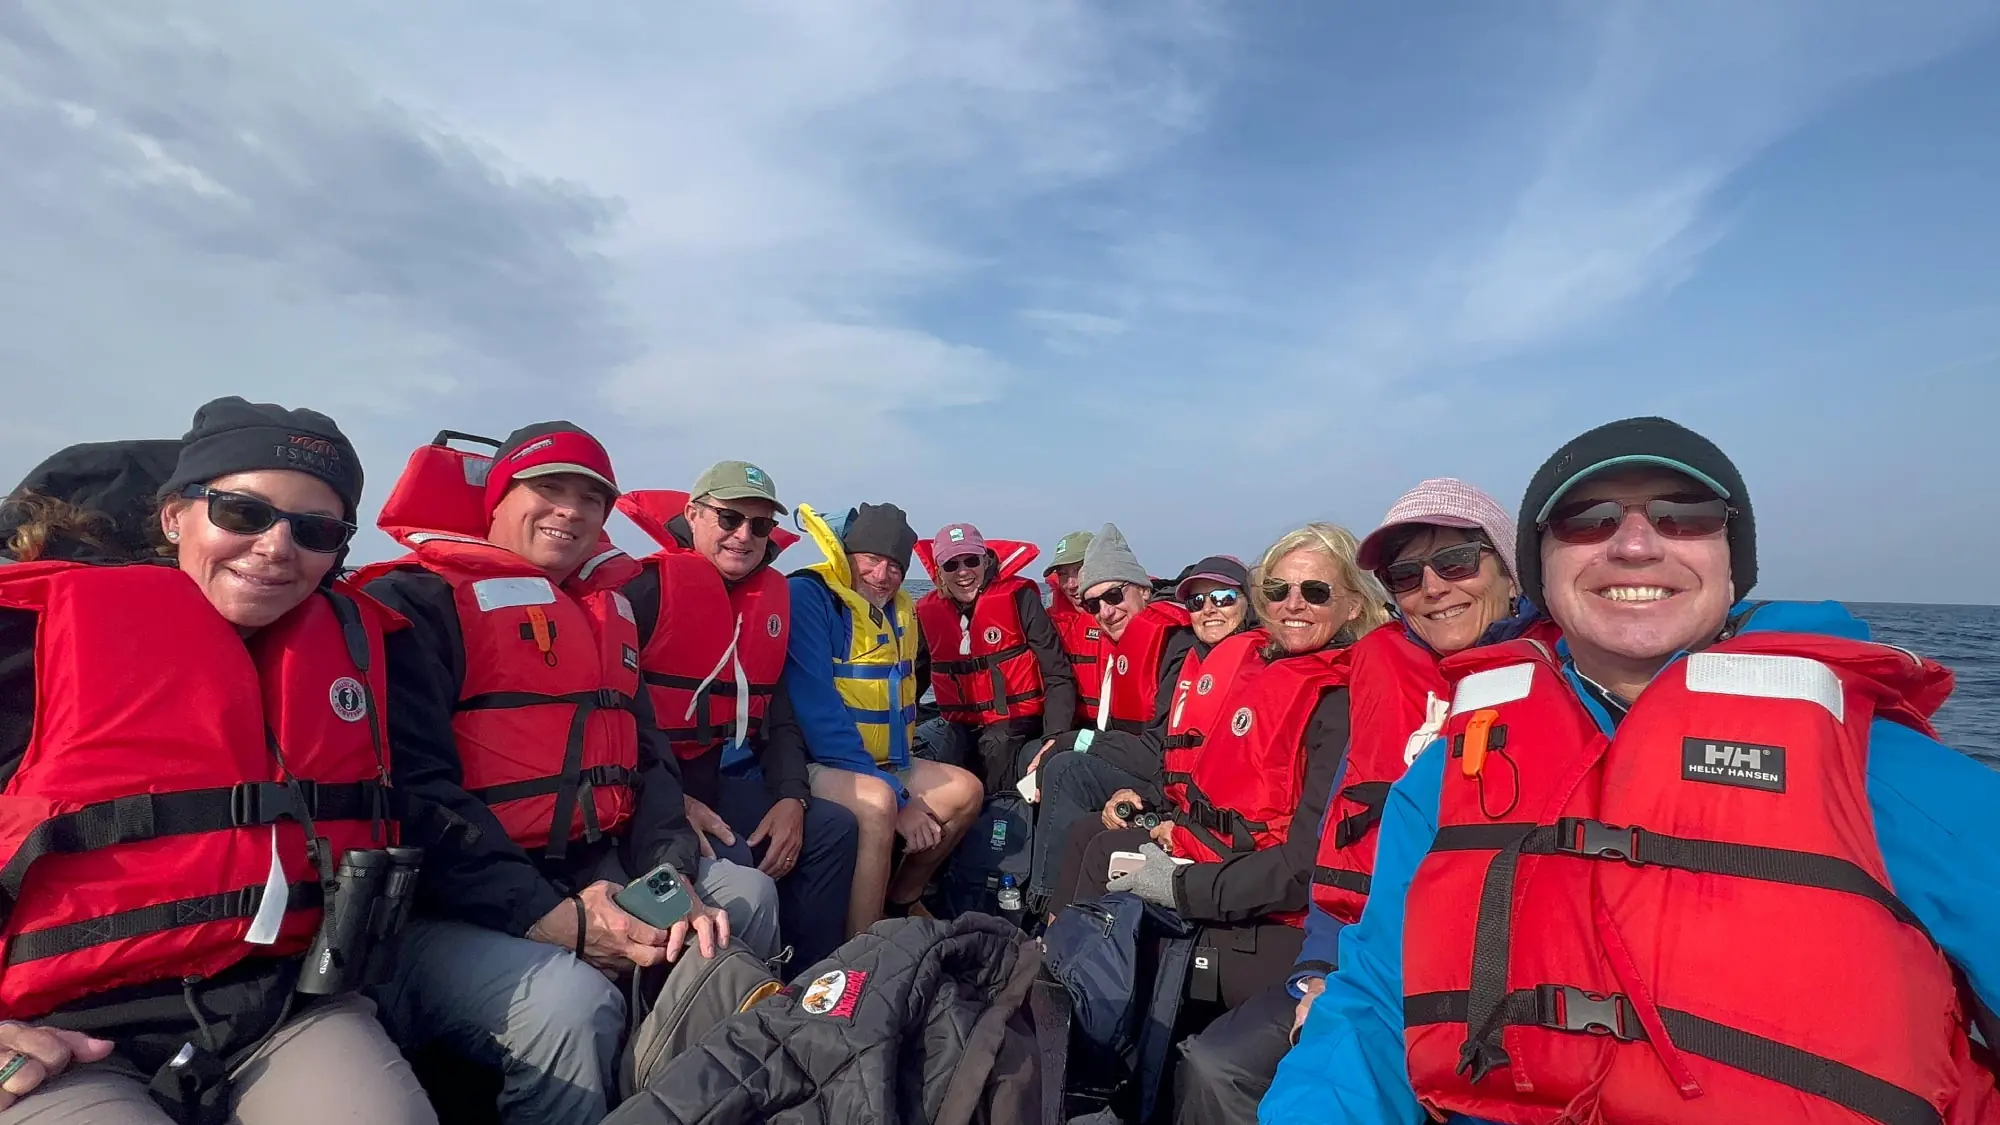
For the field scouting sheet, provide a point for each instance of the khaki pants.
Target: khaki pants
(331, 1066)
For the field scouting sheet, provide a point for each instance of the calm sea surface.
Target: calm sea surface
(1964, 638)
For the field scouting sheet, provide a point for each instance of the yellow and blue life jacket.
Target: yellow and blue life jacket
(877, 679)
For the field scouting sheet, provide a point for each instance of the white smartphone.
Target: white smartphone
(1029, 789)
(1125, 863)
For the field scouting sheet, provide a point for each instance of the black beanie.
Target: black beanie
(1635, 441)
(230, 435)
(880, 529)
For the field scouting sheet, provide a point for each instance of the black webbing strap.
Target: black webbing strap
(1342, 879)
(593, 776)
(150, 816)
(1373, 795)
(1565, 1008)
(704, 728)
(1590, 839)
(1204, 813)
(572, 779)
(356, 635)
(1187, 740)
(973, 665)
(55, 941)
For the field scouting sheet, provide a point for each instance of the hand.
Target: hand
(44, 1053)
(1035, 763)
(1111, 817)
(1154, 882)
(1312, 987)
(785, 827)
(613, 940)
(920, 831)
(710, 926)
(1163, 835)
(707, 824)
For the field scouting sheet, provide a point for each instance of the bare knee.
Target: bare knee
(874, 806)
(961, 796)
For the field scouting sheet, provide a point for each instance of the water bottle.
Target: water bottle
(1010, 899)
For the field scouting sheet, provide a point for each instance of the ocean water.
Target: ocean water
(1964, 638)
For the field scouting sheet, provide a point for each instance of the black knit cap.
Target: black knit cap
(880, 529)
(230, 435)
(1627, 443)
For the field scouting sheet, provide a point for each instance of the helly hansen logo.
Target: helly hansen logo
(1746, 765)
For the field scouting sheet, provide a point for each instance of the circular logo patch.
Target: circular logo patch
(822, 994)
(1122, 665)
(347, 698)
(1240, 723)
(774, 626)
(1204, 685)
(993, 634)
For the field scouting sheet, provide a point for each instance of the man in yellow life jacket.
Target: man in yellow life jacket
(854, 673)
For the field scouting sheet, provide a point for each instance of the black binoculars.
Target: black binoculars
(365, 905)
(1138, 816)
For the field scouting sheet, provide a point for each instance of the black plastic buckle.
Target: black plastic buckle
(256, 803)
(1595, 839)
(1563, 1007)
(608, 699)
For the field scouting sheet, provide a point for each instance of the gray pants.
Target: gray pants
(551, 1025)
(331, 1066)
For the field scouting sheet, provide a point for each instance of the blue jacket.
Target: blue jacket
(1933, 809)
(819, 637)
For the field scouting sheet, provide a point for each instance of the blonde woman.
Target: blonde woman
(1234, 849)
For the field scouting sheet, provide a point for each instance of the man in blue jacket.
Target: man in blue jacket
(1639, 596)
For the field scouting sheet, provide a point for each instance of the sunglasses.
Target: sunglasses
(1220, 599)
(962, 562)
(729, 519)
(1453, 564)
(1312, 590)
(239, 514)
(1113, 596)
(1676, 517)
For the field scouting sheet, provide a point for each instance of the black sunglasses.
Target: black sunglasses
(1113, 596)
(1455, 563)
(1220, 599)
(1312, 590)
(962, 562)
(1676, 517)
(239, 514)
(729, 519)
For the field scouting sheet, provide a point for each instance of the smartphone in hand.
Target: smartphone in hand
(1125, 863)
(658, 898)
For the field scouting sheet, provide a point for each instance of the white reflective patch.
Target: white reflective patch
(1492, 688)
(1767, 677)
(624, 607)
(503, 593)
(271, 912)
(419, 537)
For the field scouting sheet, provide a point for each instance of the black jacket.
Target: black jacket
(781, 745)
(915, 1021)
(485, 878)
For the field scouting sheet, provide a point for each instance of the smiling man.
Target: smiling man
(518, 706)
(1632, 864)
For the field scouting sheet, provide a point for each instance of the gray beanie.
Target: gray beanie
(1109, 559)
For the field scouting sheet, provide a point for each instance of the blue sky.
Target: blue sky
(1206, 269)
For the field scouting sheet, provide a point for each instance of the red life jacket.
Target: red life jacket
(1079, 632)
(1249, 773)
(1706, 927)
(173, 770)
(1199, 692)
(713, 642)
(544, 725)
(1128, 669)
(981, 666)
(1397, 703)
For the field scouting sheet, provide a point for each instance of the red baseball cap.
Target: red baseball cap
(547, 449)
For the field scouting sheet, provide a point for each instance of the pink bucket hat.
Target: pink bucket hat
(1443, 502)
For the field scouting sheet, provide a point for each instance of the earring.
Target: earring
(173, 536)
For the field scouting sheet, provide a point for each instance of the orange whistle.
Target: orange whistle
(1473, 757)
(538, 627)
